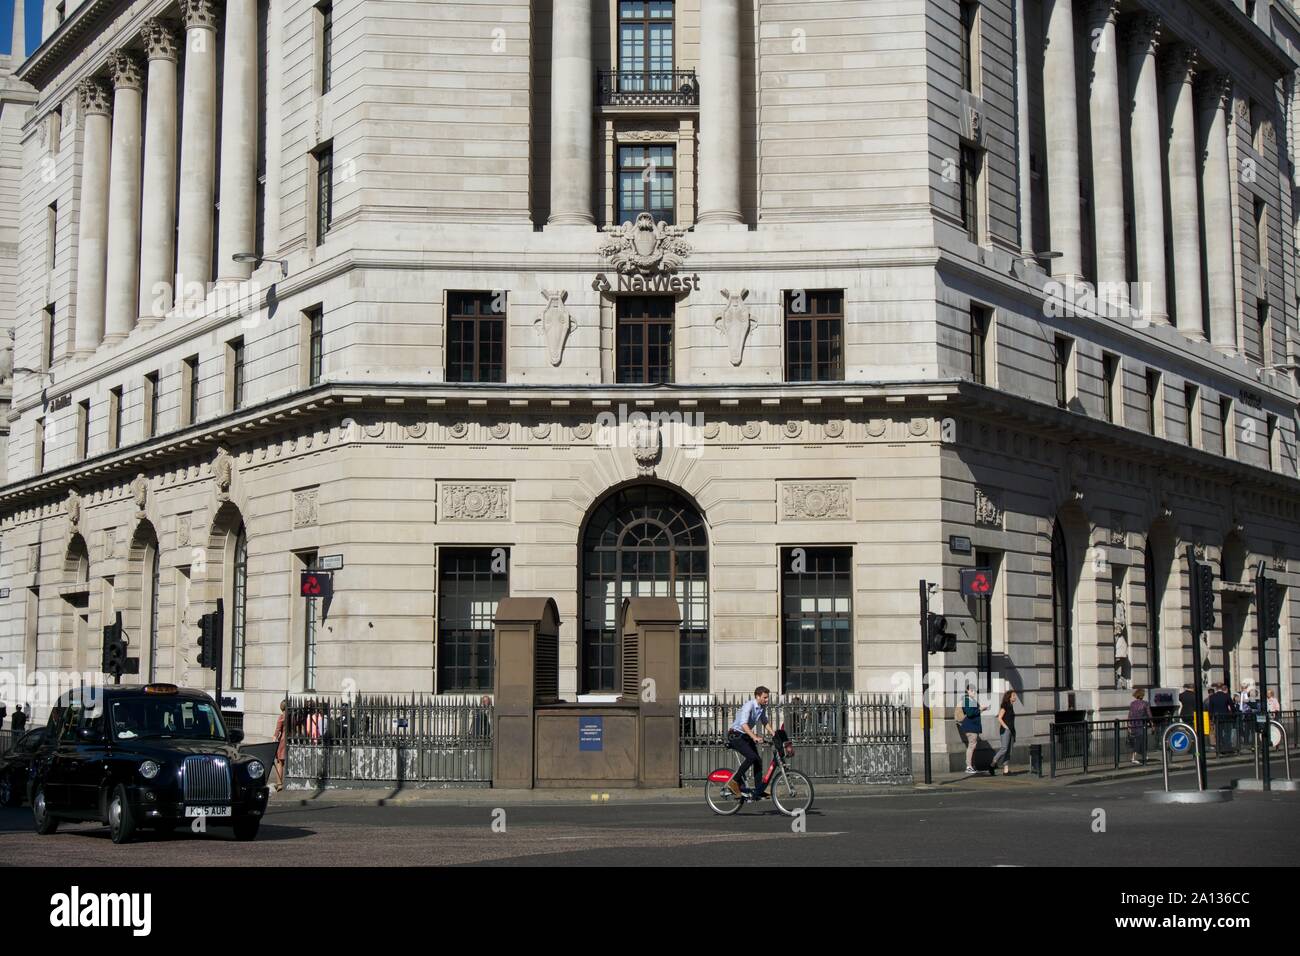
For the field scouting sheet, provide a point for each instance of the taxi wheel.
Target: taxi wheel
(121, 821)
(45, 824)
(246, 829)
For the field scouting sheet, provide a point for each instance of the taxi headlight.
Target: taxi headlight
(149, 770)
(255, 769)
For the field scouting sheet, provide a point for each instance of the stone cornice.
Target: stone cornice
(70, 37)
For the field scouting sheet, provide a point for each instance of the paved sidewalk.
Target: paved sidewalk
(1018, 779)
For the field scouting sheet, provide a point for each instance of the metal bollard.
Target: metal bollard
(1036, 759)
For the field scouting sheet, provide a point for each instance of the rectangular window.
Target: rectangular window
(324, 161)
(309, 622)
(646, 183)
(645, 46)
(1111, 397)
(150, 405)
(51, 235)
(38, 446)
(470, 583)
(1274, 444)
(1227, 425)
(1064, 353)
(969, 46)
(980, 321)
(47, 331)
(816, 619)
(814, 335)
(313, 326)
(325, 22)
(115, 417)
(1155, 404)
(190, 388)
(970, 174)
(476, 337)
(1261, 243)
(235, 374)
(1262, 316)
(83, 429)
(644, 340)
(1192, 407)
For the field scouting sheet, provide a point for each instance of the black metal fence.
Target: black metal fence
(7, 738)
(383, 738)
(842, 737)
(1090, 746)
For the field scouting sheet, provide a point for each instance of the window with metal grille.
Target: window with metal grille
(816, 619)
(644, 340)
(643, 541)
(471, 581)
(326, 46)
(315, 341)
(645, 45)
(1062, 613)
(324, 190)
(969, 187)
(476, 337)
(646, 182)
(980, 320)
(238, 608)
(814, 336)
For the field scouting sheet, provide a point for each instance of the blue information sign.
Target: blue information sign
(591, 733)
(1179, 741)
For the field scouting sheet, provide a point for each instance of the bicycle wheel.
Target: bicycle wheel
(719, 796)
(792, 793)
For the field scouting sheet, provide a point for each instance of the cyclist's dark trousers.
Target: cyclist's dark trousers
(749, 754)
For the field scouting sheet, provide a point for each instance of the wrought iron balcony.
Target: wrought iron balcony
(624, 88)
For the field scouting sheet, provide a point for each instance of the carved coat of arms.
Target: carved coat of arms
(735, 323)
(555, 324)
(643, 435)
(645, 246)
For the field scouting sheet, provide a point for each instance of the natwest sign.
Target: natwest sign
(663, 282)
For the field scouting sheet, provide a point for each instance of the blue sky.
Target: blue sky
(33, 24)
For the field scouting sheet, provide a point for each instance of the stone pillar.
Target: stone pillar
(236, 229)
(1184, 194)
(1216, 186)
(121, 300)
(1107, 149)
(1062, 123)
(718, 182)
(1024, 179)
(1148, 176)
(198, 148)
(18, 47)
(572, 85)
(92, 236)
(272, 134)
(158, 221)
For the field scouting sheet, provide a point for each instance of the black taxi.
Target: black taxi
(154, 756)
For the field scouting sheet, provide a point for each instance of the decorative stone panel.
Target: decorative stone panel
(304, 508)
(816, 501)
(474, 501)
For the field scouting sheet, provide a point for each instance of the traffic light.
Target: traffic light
(938, 639)
(208, 634)
(1272, 610)
(114, 659)
(1204, 598)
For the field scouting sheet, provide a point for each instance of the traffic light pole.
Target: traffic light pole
(1198, 628)
(925, 676)
(1264, 627)
(219, 640)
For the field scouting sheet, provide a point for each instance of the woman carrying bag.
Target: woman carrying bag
(1007, 727)
(969, 725)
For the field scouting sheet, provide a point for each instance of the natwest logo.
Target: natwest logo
(976, 582)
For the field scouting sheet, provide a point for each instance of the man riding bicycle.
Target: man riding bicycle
(743, 738)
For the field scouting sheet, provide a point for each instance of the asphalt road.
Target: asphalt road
(994, 825)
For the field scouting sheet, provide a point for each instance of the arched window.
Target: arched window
(1062, 613)
(643, 541)
(238, 608)
(1155, 595)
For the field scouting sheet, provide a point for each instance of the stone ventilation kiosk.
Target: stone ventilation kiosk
(542, 741)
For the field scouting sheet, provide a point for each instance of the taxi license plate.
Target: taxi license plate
(207, 811)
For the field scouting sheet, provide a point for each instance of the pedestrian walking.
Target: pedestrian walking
(1007, 731)
(4, 712)
(281, 740)
(21, 713)
(1187, 704)
(969, 725)
(1139, 718)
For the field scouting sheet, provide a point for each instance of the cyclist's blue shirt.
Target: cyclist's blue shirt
(752, 713)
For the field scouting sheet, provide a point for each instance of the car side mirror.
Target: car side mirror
(235, 736)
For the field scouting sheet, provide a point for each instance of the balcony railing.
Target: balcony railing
(623, 88)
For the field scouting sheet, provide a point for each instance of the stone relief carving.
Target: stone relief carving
(475, 502)
(986, 510)
(140, 492)
(110, 543)
(735, 323)
(918, 427)
(554, 324)
(159, 39)
(223, 470)
(792, 429)
(93, 97)
(304, 508)
(182, 531)
(751, 429)
(1123, 666)
(458, 430)
(582, 430)
(876, 427)
(374, 429)
(712, 430)
(500, 430)
(416, 430)
(645, 246)
(74, 510)
(816, 500)
(647, 445)
(834, 429)
(542, 430)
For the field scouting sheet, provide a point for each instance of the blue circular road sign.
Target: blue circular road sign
(1179, 742)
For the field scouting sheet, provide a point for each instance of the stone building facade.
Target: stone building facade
(771, 307)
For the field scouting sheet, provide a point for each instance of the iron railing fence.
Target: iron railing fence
(7, 740)
(1089, 746)
(647, 88)
(838, 736)
(389, 738)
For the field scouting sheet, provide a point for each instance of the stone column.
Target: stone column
(1062, 125)
(18, 46)
(572, 85)
(272, 134)
(1148, 174)
(1107, 148)
(236, 229)
(158, 220)
(1024, 179)
(198, 148)
(124, 199)
(1184, 198)
(718, 182)
(92, 235)
(1216, 186)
